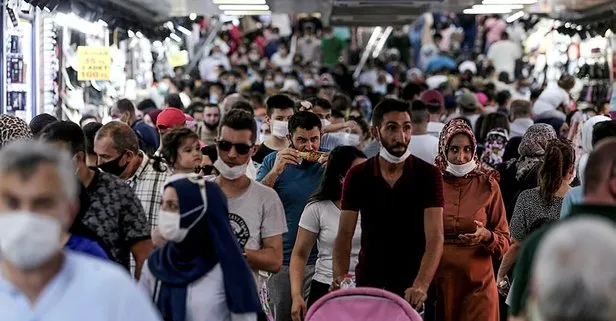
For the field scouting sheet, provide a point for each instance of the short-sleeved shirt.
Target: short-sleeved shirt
(115, 215)
(148, 184)
(294, 187)
(85, 288)
(575, 196)
(261, 153)
(255, 215)
(529, 208)
(392, 220)
(522, 273)
(323, 218)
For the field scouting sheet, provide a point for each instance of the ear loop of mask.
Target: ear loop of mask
(203, 207)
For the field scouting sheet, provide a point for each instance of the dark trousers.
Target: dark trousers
(317, 291)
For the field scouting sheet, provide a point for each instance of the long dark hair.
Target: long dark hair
(170, 144)
(339, 163)
(558, 160)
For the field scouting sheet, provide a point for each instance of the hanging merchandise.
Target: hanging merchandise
(50, 66)
(17, 65)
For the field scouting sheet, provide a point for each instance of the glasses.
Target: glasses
(207, 169)
(226, 146)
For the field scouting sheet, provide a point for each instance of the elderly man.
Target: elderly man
(573, 275)
(599, 201)
(39, 281)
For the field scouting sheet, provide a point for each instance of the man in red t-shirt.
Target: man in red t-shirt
(400, 198)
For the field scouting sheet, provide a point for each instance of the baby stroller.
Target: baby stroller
(362, 304)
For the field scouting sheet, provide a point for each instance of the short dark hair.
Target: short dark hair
(419, 112)
(146, 104)
(66, 132)
(90, 131)
(172, 140)
(602, 157)
(87, 117)
(341, 102)
(239, 119)
(197, 106)
(122, 136)
(304, 120)
(125, 106)
(410, 91)
(502, 97)
(603, 130)
(39, 122)
(337, 113)
(388, 105)
(174, 100)
(321, 102)
(245, 106)
(521, 108)
(279, 101)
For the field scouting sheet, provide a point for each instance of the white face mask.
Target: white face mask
(169, 227)
(394, 159)
(28, 240)
(325, 122)
(461, 170)
(280, 129)
(230, 173)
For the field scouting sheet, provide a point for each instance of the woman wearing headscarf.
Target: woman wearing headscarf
(13, 128)
(200, 274)
(520, 174)
(475, 229)
(586, 142)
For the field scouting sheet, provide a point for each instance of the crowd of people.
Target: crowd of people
(259, 185)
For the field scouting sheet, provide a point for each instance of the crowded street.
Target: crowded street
(294, 160)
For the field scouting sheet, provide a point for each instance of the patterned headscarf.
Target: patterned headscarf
(13, 128)
(494, 147)
(532, 148)
(453, 128)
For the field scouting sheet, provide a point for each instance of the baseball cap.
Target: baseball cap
(171, 118)
(467, 101)
(433, 98)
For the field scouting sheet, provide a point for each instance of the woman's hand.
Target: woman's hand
(481, 235)
(299, 308)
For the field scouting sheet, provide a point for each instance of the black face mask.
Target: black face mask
(113, 167)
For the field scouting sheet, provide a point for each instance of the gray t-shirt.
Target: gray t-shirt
(256, 214)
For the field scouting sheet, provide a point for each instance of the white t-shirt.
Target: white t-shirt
(323, 219)
(435, 128)
(504, 54)
(434, 81)
(205, 298)
(424, 147)
(552, 97)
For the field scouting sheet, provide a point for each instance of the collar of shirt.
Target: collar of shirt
(408, 166)
(144, 164)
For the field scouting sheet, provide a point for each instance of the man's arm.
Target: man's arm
(433, 228)
(141, 250)
(269, 258)
(344, 244)
(270, 179)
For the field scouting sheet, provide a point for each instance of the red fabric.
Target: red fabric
(433, 98)
(171, 118)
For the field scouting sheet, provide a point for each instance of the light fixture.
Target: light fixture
(498, 6)
(193, 16)
(175, 37)
(139, 34)
(131, 33)
(487, 11)
(184, 30)
(102, 23)
(246, 13)
(260, 7)
(239, 1)
(515, 16)
(157, 44)
(509, 2)
(75, 22)
(170, 25)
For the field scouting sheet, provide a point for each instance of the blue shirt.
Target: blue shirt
(294, 187)
(85, 288)
(86, 246)
(440, 62)
(575, 196)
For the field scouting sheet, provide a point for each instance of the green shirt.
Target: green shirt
(332, 50)
(526, 257)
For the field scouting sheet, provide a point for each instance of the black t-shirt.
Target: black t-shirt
(261, 153)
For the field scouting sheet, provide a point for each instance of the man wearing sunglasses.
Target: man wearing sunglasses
(294, 180)
(255, 210)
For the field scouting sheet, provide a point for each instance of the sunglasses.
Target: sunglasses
(207, 169)
(226, 146)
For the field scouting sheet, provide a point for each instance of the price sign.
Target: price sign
(94, 63)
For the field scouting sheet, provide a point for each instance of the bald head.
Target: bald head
(600, 174)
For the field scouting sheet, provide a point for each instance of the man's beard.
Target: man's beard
(211, 127)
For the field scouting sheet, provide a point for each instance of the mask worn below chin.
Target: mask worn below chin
(230, 173)
(169, 227)
(28, 240)
(394, 159)
(461, 170)
(113, 167)
(325, 122)
(280, 129)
